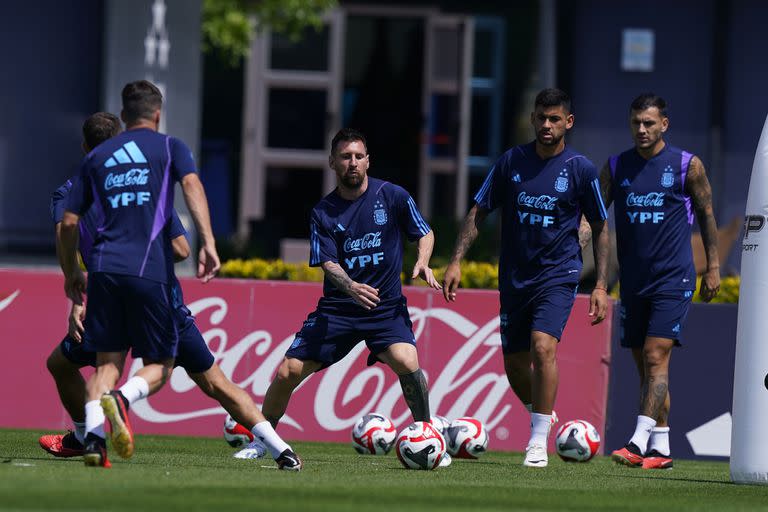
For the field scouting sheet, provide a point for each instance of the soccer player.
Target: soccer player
(355, 237)
(68, 357)
(656, 189)
(542, 188)
(130, 180)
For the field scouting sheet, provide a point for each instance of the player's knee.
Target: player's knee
(543, 353)
(290, 372)
(516, 363)
(56, 363)
(655, 358)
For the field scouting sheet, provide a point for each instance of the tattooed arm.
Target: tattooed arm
(365, 295)
(697, 187)
(605, 184)
(585, 232)
(601, 242)
(464, 241)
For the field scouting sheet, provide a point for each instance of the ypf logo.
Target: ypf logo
(752, 224)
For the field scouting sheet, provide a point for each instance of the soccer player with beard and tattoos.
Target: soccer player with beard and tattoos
(356, 237)
(542, 188)
(656, 189)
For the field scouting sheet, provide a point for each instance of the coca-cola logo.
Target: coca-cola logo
(126, 179)
(542, 202)
(464, 386)
(650, 199)
(367, 241)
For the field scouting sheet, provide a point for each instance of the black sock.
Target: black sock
(416, 394)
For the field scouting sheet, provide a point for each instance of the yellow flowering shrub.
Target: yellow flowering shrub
(474, 274)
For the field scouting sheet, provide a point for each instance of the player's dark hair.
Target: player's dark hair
(648, 100)
(140, 101)
(553, 98)
(347, 135)
(100, 127)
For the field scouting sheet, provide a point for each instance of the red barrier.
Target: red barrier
(248, 326)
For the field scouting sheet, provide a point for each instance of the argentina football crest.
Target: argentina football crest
(379, 214)
(561, 183)
(667, 177)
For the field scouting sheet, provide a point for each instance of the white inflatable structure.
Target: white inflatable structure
(749, 449)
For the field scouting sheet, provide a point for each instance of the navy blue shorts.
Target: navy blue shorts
(128, 311)
(193, 354)
(546, 309)
(326, 337)
(661, 315)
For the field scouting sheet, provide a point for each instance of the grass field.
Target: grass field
(174, 473)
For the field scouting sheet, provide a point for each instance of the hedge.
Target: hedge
(473, 275)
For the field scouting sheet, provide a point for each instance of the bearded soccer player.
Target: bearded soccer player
(356, 235)
(657, 188)
(68, 357)
(130, 180)
(542, 188)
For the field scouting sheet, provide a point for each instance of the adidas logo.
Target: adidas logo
(676, 328)
(129, 153)
(339, 228)
(516, 178)
(625, 183)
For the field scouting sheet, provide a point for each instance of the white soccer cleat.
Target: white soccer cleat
(446, 460)
(253, 450)
(535, 456)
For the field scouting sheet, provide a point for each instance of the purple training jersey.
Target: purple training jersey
(87, 227)
(364, 237)
(129, 181)
(541, 204)
(654, 217)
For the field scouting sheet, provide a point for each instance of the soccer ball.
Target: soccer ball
(373, 434)
(467, 438)
(577, 441)
(235, 434)
(440, 423)
(420, 446)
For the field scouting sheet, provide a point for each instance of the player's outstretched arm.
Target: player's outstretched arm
(194, 195)
(464, 240)
(421, 268)
(74, 280)
(698, 188)
(365, 295)
(598, 301)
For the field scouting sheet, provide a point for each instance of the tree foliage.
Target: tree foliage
(229, 26)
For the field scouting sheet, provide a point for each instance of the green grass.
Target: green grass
(168, 473)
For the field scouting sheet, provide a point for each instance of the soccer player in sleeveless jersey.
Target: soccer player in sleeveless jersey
(542, 188)
(356, 237)
(657, 189)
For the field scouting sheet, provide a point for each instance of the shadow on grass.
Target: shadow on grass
(671, 478)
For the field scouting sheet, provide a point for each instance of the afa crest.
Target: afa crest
(667, 177)
(561, 183)
(379, 214)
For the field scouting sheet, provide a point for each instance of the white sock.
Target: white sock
(79, 430)
(134, 389)
(643, 432)
(269, 437)
(540, 424)
(94, 418)
(659, 440)
(529, 407)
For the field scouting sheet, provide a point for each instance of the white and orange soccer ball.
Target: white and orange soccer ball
(467, 438)
(235, 434)
(373, 434)
(577, 441)
(420, 446)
